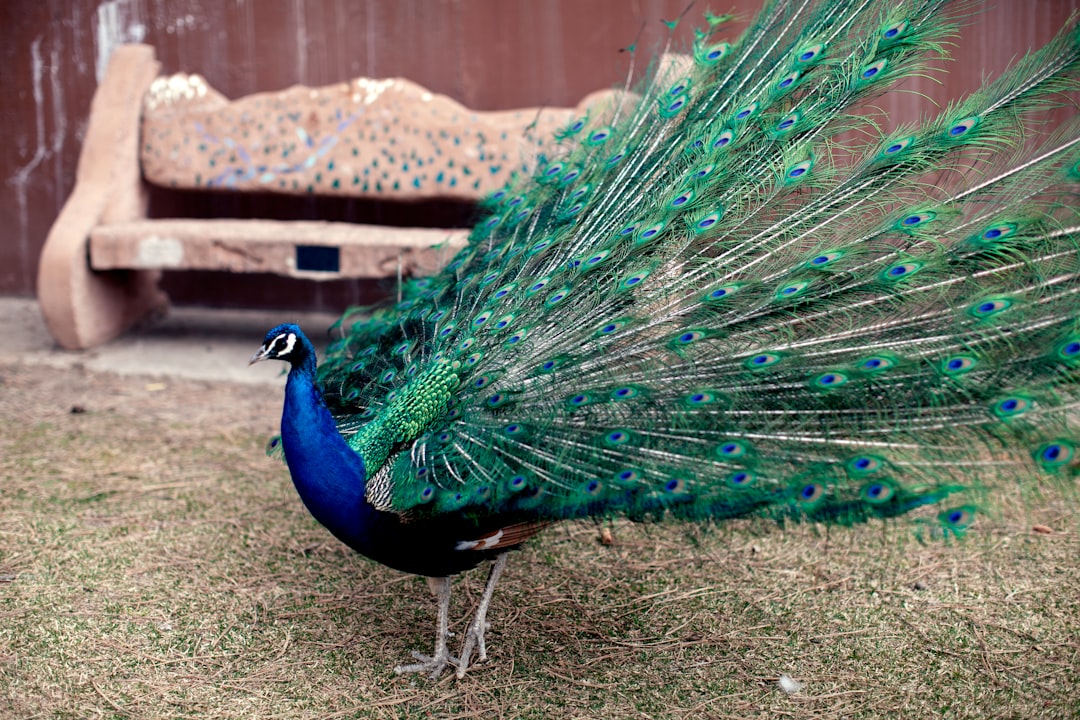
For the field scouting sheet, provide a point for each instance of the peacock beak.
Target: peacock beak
(262, 354)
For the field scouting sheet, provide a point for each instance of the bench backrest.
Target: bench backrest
(377, 139)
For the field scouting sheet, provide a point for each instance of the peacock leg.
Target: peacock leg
(475, 634)
(433, 665)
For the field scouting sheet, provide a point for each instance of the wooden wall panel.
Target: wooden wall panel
(486, 53)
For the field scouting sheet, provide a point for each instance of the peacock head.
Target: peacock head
(285, 342)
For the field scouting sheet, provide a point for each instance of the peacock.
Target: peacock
(728, 293)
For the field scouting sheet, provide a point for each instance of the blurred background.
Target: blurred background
(486, 54)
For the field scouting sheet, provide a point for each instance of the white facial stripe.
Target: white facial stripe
(290, 343)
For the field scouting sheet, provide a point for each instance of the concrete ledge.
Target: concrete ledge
(272, 246)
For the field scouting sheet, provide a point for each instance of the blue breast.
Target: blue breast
(331, 480)
(328, 475)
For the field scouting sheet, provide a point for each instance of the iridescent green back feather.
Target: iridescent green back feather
(716, 303)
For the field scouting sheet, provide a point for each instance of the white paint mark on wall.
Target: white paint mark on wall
(20, 177)
(301, 41)
(180, 25)
(60, 121)
(77, 29)
(107, 35)
(117, 23)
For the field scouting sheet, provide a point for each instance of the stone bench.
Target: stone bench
(374, 139)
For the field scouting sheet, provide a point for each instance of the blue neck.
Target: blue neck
(332, 480)
(328, 474)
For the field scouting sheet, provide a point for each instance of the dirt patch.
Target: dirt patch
(154, 563)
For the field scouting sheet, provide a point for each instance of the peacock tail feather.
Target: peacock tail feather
(731, 293)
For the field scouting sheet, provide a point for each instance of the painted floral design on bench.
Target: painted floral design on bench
(388, 139)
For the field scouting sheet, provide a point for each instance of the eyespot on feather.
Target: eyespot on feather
(878, 492)
(990, 306)
(1055, 455)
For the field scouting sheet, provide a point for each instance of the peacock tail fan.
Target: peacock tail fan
(731, 293)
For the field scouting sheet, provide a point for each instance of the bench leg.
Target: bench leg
(84, 308)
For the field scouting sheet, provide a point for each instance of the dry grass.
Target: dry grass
(153, 563)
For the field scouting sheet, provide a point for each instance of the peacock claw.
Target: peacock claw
(473, 638)
(432, 666)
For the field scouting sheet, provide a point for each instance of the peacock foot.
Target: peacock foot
(474, 638)
(432, 666)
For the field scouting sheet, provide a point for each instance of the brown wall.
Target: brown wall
(486, 53)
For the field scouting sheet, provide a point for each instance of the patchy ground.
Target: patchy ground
(154, 563)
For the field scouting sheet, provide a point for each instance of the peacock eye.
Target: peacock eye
(283, 344)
